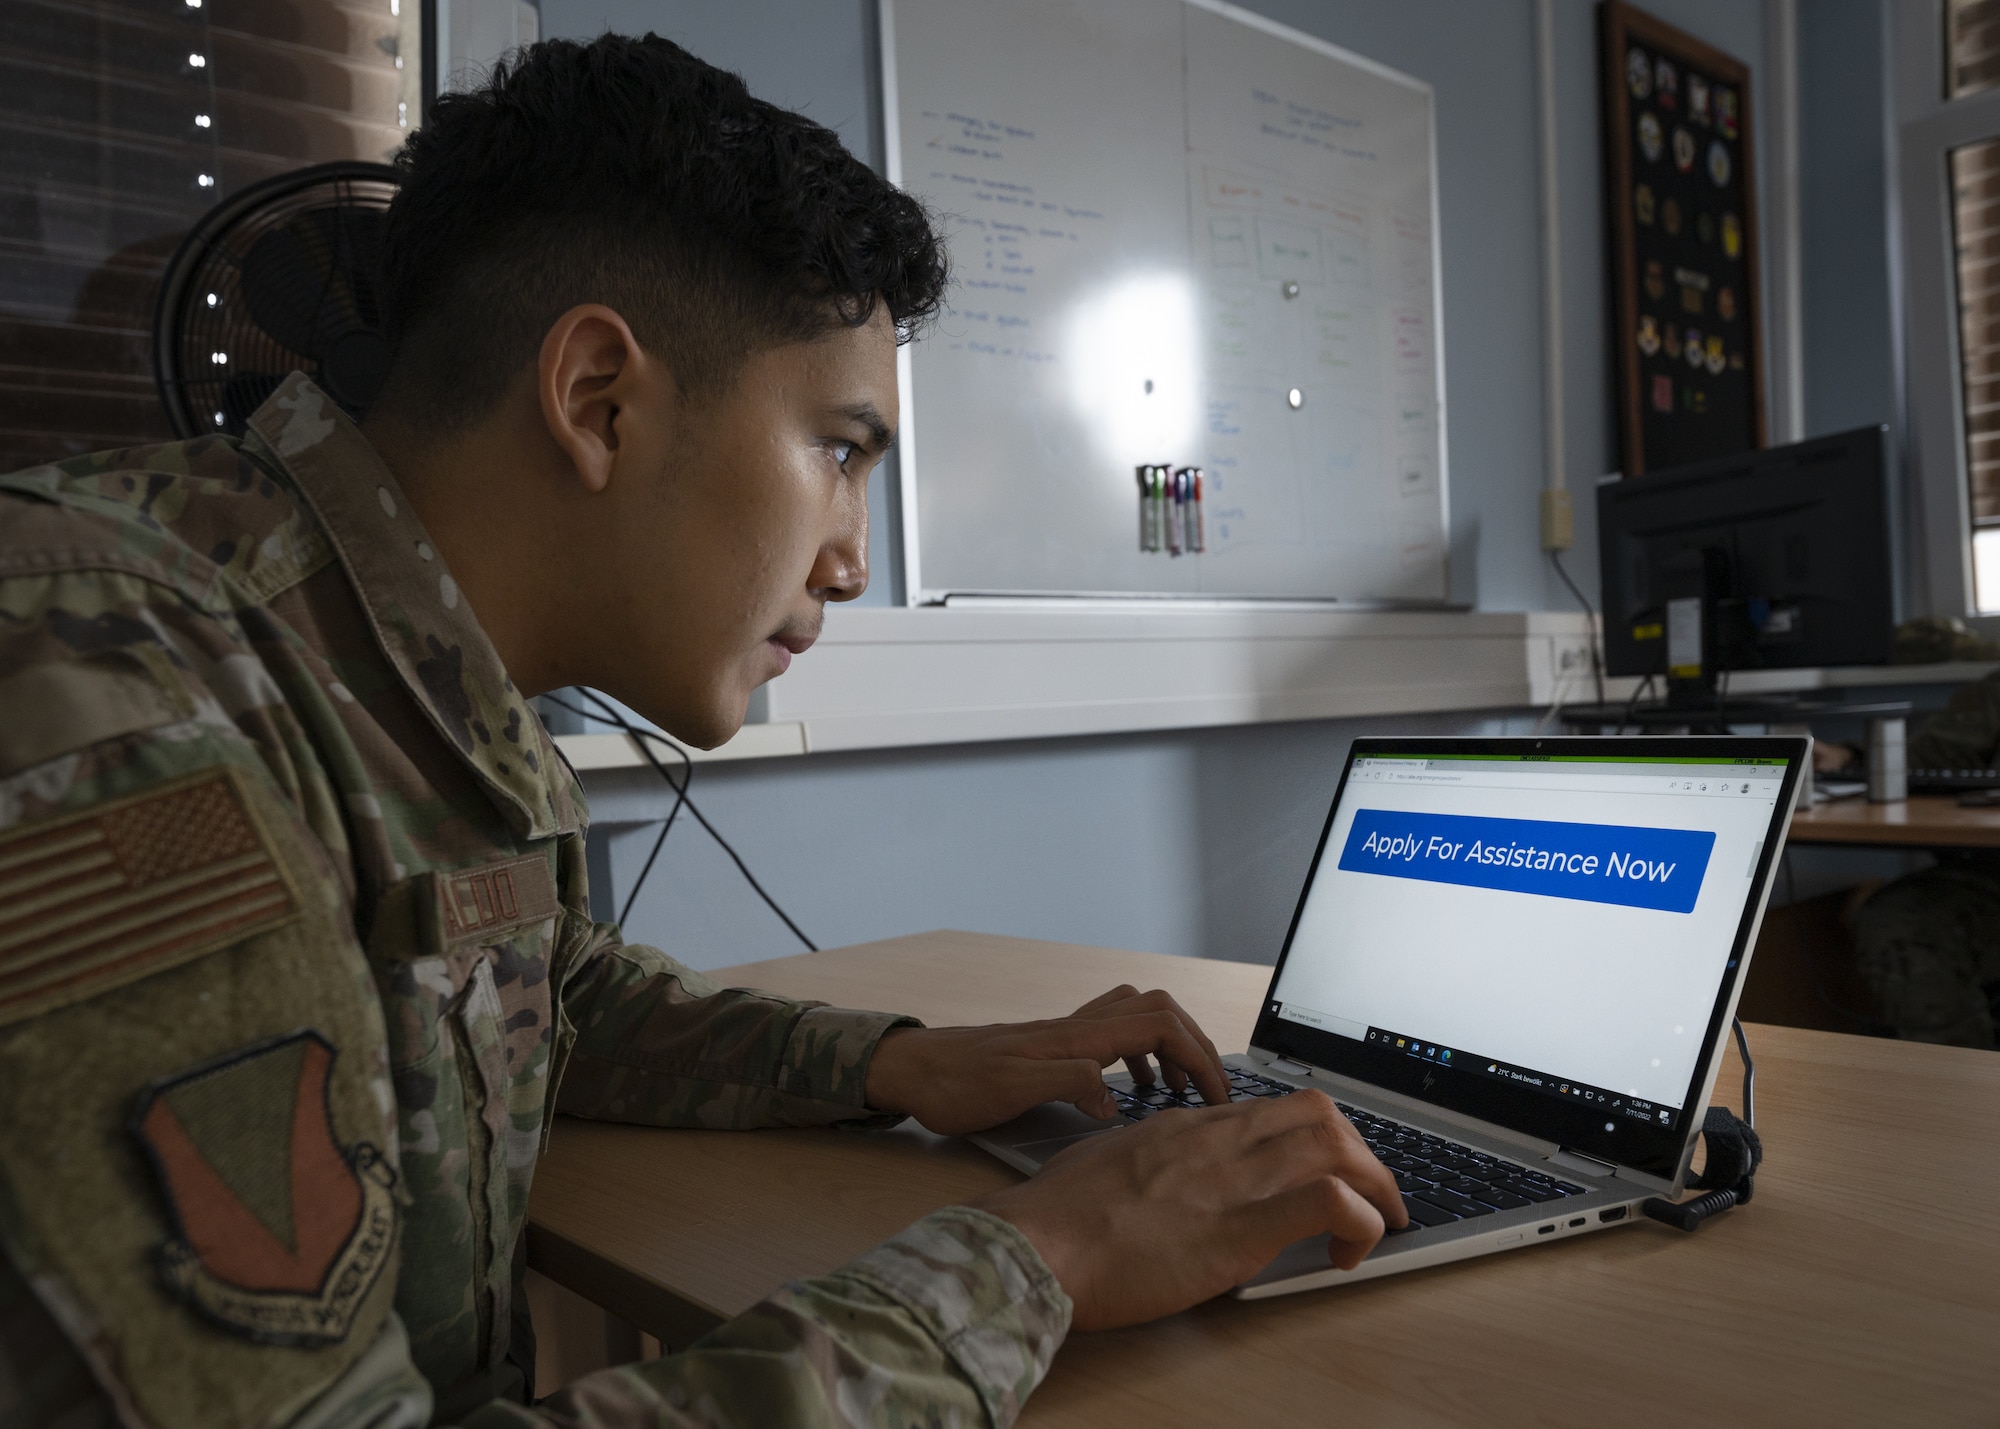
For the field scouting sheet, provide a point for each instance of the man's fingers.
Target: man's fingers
(1141, 1069)
(1202, 1064)
(1324, 1204)
(1077, 1080)
(1305, 1134)
(1161, 1033)
(1312, 1148)
(1121, 993)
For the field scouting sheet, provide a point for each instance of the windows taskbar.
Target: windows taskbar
(1547, 1083)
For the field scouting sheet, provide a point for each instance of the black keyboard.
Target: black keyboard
(1441, 1181)
(1952, 781)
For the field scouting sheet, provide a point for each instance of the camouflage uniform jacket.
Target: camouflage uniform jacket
(296, 965)
(1965, 734)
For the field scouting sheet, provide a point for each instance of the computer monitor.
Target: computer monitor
(1780, 558)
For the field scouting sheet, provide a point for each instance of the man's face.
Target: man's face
(754, 515)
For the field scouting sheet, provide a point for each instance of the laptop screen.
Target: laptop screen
(1545, 939)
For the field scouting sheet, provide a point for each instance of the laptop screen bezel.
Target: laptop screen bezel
(1655, 1151)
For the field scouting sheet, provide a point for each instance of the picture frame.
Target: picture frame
(1681, 210)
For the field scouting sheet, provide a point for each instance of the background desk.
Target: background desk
(1926, 821)
(1861, 1287)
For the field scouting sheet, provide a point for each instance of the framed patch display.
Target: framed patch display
(1681, 197)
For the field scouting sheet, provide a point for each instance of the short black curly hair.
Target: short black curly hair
(628, 172)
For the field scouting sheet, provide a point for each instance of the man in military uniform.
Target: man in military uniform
(1928, 943)
(296, 964)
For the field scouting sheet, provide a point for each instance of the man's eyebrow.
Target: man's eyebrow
(880, 437)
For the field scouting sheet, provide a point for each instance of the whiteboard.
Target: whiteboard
(1164, 218)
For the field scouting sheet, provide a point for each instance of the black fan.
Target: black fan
(280, 278)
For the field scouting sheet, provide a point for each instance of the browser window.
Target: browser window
(1559, 923)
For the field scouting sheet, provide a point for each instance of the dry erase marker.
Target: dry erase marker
(1197, 528)
(1177, 503)
(1158, 507)
(1145, 474)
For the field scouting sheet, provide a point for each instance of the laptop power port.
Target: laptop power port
(1614, 1213)
(1546, 1230)
(1577, 1222)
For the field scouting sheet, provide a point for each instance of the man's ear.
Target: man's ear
(590, 370)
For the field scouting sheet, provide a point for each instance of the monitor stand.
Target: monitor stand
(1722, 715)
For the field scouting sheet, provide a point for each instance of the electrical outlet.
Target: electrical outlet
(1572, 657)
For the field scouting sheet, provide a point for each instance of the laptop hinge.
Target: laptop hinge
(1583, 1165)
(1289, 1067)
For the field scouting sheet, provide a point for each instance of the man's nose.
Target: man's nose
(841, 573)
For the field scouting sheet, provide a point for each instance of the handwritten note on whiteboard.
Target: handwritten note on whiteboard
(1178, 236)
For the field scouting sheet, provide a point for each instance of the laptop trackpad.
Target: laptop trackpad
(1040, 1152)
(1040, 1132)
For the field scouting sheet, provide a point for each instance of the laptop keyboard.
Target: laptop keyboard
(1441, 1181)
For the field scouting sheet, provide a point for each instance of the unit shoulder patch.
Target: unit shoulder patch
(280, 1232)
(93, 901)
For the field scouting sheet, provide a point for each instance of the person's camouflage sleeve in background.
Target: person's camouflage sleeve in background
(295, 935)
(1965, 734)
(1928, 943)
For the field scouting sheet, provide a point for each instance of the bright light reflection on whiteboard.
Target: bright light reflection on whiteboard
(1130, 361)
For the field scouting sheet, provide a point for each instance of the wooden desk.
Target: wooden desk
(1925, 821)
(1861, 1287)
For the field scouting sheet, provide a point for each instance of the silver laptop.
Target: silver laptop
(1514, 965)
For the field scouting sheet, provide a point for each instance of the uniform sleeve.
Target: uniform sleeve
(954, 1321)
(1965, 734)
(658, 1044)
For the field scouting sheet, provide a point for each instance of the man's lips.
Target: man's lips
(787, 644)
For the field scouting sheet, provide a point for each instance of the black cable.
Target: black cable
(1632, 704)
(680, 798)
(1749, 1075)
(639, 737)
(1734, 1153)
(1596, 659)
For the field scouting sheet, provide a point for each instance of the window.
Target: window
(1975, 211)
(123, 120)
(1972, 47)
(1948, 118)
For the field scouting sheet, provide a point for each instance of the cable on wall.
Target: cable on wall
(644, 739)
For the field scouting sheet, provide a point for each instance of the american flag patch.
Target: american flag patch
(131, 888)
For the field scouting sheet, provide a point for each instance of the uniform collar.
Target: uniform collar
(421, 620)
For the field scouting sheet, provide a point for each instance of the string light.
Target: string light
(198, 61)
(201, 121)
(218, 358)
(212, 300)
(219, 419)
(207, 181)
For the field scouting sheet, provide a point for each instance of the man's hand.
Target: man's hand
(960, 1079)
(1829, 758)
(1149, 1220)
